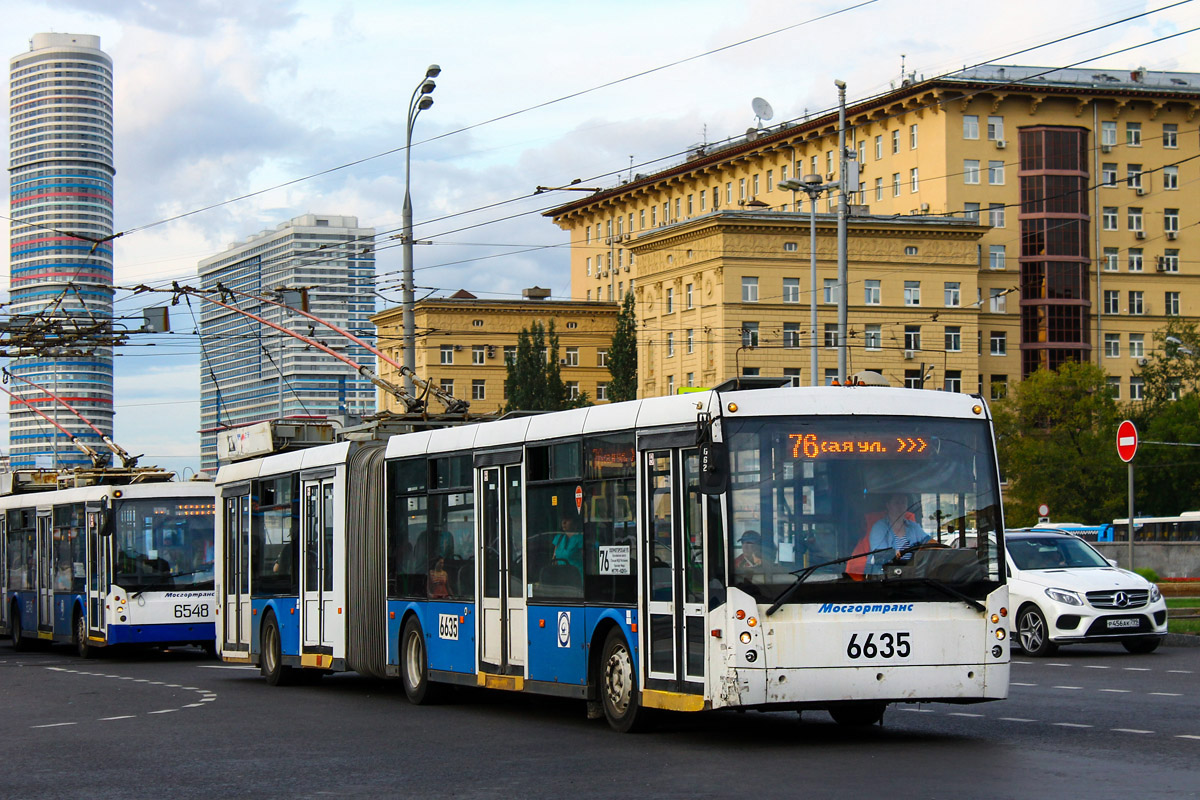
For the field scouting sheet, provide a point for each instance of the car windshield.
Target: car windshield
(164, 543)
(817, 494)
(1053, 552)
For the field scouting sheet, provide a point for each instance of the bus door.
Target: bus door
(45, 572)
(236, 545)
(98, 571)
(673, 521)
(502, 602)
(317, 615)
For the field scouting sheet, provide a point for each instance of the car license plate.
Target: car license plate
(1124, 623)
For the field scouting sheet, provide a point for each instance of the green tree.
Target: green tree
(622, 355)
(1167, 479)
(534, 378)
(1172, 368)
(1056, 439)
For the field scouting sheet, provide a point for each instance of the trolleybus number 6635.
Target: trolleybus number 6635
(879, 645)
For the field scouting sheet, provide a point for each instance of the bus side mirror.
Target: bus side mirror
(104, 519)
(714, 478)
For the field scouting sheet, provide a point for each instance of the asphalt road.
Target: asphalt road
(1091, 722)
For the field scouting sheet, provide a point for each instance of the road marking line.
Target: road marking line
(1014, 683)
(227, 666)
(1067, 687)
(1016, 719)
(172, 685)
(1094, 666)
(207, 699)
(1166, 694)
(1187, 736)
(1136, 669)
(1058, 665)
(1180, 671)
(193, 705)
(962, 714)
(1022, 662)
(919, 710)
(1128, 730)
(1117, 691)
(54, 725)
(164, 711)
(1071, 725)
(110, 719)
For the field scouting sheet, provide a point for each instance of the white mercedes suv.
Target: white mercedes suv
(1064, 592)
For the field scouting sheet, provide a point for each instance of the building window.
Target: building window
(953, 339)
(830, 162)
(572, 356)
(1135, 303)
(971, 170)
(912, 293)
(728, 193)
(831, 374)
(1137, 345)
(690, 340)
(879, 188)
(602, 390)
(873, 337)
(1112, 345)
(1134, 219)
(895, 184)
(873, 294)
(953, 380)
(477, 353)
(995, 129)
(912, 337)
(1170, 178)
(1133, 134)
(1136, 385)
(1135, 259)
(670, 344)
(1170, 135)
(687, 296)
(447, 351)
(998, 301)
(913, 181)
(670, 301)
(573, 390)
(1108, 134)
(790, 247)
(999, 343)
(791, 290)
(971, 212)
(602, 357)
(1114, 387)
(1133, 176)
(749, 372)
(831, 334)
(749, 290)
(996, 215)
(1171, 220)
(447, 385)
(1171, 304)
(1109, 218)
(912, 379)
(792, 373)
(996, 173)
(749, 334)
(953, 294)
(691, 379)
(741, 188)
(1108, 174)
(830, 290)
(999, 387)
(791, 334)
(589, 263)
(1170, 261)
(1112, 301)
(510, 353)
(970, 126)
(653, 216)
(1110, 259)
(691, 200)
(910, 250)
(912, 137)
(878, 147)
(895, 142)
(997, 256)
(478, 390)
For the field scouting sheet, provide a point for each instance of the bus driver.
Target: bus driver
(896, 531)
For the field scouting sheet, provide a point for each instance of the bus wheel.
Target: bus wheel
(618, 686)
(414, 666)
(14, 629)
(82, 647)
(858, 714)
(272, 655)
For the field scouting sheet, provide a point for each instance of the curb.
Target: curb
(1182, 640)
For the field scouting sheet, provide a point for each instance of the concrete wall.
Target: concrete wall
(1168, 559)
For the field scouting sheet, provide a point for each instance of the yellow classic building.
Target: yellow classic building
(463, 342)
(1082, 185)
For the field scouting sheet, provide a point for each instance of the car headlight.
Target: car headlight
(1155, 594)
(1064, 596)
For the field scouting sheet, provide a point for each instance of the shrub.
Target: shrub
(1147, 573)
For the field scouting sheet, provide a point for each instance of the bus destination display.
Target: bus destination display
(814, 445)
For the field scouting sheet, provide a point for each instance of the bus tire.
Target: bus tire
(618, 686)
(14, 629)
(858, 714)
(271, 663)
(414, 666)
(82, 647)
(1033, 633)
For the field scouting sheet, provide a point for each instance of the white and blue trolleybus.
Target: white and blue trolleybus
(777, 548)
(96, 559)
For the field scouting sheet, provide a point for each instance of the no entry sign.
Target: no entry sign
(1127, 441)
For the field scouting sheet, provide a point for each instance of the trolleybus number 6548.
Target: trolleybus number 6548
(879, 645)
(184, 611)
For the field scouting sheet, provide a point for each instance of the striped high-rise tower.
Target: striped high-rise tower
(61, 179)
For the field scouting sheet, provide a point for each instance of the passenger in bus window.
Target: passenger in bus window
(751, 557)
(895, 530)
(568, 543)
(439, 580)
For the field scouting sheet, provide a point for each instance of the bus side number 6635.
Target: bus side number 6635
(882, 645)
(187, 612)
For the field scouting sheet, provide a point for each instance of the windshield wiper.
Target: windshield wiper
(803, 573)
(945, 588)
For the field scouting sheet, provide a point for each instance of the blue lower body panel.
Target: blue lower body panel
(558, 644)
(287, 616)
(188, 633)
(449, 649)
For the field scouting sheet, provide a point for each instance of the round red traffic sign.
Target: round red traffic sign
(1043, 510)
(579, 498)
(1127, 441)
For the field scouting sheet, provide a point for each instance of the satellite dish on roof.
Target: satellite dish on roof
(762, 109)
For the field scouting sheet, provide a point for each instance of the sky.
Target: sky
(215, 99)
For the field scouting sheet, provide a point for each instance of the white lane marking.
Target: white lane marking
(55, 725)
(208, 699)
(1128, 730)
(110, 719)
(226, 666)
(1022, 662)
(1016, 719)
(193, 705)
(1067, 687)
(1166, 694)
(1180, 671)
(164, 711)
(1093, 666)
(1117, 691)
(1136, 669)
(1014, 683)
(919, 710)
(962, 714)
(1058, 665)
(206, 696)
(1071, 725)
(1187, 736)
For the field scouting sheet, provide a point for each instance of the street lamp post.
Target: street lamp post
(812, 186)
(419, 101)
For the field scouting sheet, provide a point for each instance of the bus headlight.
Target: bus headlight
(1064, 596)
(1000, 634)
(745, 637)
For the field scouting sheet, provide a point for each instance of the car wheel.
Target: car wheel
(82, 646)
(1142, 646)
(1033, 633)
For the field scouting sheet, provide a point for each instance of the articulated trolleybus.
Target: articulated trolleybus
(107, 557)
(720, 549)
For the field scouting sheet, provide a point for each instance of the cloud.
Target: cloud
(193, 18)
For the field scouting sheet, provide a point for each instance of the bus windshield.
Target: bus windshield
(164, 543)
(859, 508)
